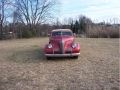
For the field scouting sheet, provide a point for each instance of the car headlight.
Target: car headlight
(74, 45)
(49, 45)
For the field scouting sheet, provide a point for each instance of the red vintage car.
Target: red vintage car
(61, 44)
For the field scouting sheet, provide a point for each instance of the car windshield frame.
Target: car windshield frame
(61, 33)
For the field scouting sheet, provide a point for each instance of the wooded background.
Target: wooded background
(36, 18)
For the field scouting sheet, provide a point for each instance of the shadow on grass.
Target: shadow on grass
(33, 55)
(62, 59)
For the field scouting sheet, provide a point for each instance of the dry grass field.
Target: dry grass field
(23, 66)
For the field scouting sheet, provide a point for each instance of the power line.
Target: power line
(92, 10)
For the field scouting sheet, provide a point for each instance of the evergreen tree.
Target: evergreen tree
(76, 26)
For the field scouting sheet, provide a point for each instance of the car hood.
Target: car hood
(62, 39)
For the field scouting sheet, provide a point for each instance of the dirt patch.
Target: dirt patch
(23, 66)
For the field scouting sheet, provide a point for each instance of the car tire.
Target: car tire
(75, 57)
(48, 58)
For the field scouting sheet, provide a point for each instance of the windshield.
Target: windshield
(59, 33)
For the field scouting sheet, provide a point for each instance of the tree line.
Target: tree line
(28, 18)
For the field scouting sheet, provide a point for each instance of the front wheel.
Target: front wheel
(75, 57)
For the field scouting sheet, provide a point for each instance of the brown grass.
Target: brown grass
(23, 66)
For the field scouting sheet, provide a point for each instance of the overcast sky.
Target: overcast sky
(97, 10)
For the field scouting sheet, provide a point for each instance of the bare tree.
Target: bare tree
(5, 5)
(2, 4)
(35, 12)
(14, 21)
(56, 24)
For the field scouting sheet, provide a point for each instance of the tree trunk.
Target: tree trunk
(1, 31)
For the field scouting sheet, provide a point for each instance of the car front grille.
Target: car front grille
(62, 47)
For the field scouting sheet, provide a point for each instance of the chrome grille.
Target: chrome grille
(62, 47)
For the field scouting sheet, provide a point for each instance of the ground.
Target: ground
(23, 66)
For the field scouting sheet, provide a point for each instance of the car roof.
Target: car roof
(60, 30)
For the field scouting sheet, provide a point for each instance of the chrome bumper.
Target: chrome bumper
(62, 55)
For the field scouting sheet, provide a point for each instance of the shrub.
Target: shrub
(113, 32)
(103, 32)
(27, 34)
